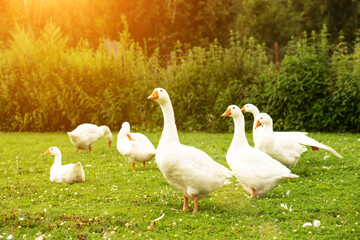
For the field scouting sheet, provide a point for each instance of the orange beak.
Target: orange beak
(129, 137)
(258, 123)
(243, 109)
(154, 95)
(227, 113)
(47, 152)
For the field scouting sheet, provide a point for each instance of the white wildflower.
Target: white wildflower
(283, 205)
(316, 223)
(307, 224)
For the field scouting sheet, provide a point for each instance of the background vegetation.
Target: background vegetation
(116, 203)
(160, 23)
(48, 86)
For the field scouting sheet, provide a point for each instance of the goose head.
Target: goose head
(232, 111)
(249, 108)
(108, 134)
(159, 95)
(53, 151)
(263, 119)
(125, 130)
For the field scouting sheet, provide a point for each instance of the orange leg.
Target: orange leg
(186, 205)
(89, 149)
(314, 148)
(133, 166)
(143, 165)
(253, 194)
(77, 150)
(196, 200)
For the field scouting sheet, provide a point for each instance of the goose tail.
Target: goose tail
(79, 172)
(330, 149)
(315, 145)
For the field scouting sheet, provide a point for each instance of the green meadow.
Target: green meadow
(115, 203)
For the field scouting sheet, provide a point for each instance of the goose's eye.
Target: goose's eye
(233, 107)
(160, 90)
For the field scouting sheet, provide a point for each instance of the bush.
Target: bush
(45, 85)
(316, 89)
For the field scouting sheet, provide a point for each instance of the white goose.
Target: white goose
(257, 132)
(136, 146)
(69, 173)
(188, 169)
(257, 172)
(283, 146)
(85, 135)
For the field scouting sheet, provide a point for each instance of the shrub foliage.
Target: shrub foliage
(48, 86)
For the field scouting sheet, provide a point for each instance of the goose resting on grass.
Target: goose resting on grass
(69, 173)
(284, 147)
(257, 172)
(136, 146)
(186, 168)
(85, 135)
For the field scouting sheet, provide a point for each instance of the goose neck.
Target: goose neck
(169, 133)
(239, 138)
(268, 127)
(57, 160)
(255, 112)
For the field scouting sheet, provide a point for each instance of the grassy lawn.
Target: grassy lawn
(115, 202)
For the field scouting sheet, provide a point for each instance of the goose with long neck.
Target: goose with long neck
(85, 135)
(135, 146)
(186, 168)
(257, 172)
(69, 173)
(286, 147)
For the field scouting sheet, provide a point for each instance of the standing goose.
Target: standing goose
(69, 173)
(257, 172)
(257, 132)
(186, 168)
(136, 146)
(85, 135)
(285, 148)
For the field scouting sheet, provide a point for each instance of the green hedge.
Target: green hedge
(48, 86)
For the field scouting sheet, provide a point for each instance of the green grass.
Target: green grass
(115, 202)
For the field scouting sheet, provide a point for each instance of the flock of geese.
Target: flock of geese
(259, 169)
